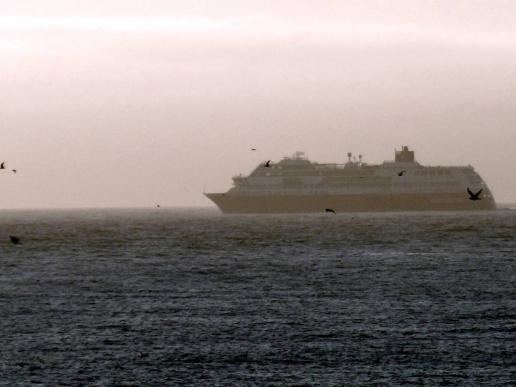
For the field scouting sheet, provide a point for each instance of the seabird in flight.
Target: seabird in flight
(330, 210)
(474, 196)
(268, 164)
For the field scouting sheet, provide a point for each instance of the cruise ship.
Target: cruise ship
(297, 185)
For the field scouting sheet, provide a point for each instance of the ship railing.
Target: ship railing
(415, 188)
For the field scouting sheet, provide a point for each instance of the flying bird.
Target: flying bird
(14, 240)
(253, 149)
(330, 210)
(2, 166)
(14, 171)
(474, 196)
(400, 173)
(158, 206)
(268, 164)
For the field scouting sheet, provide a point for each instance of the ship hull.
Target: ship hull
(232, 204)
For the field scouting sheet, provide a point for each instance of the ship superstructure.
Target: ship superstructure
(295, 184)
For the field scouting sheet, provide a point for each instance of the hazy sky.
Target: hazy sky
(132, 103)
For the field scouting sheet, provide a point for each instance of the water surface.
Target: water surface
(193, 297)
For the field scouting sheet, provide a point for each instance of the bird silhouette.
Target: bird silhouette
(400, 173)
(2, 166)
(158, 206)
(474, 196)
(14, 171)
(14, 240)
(330, 210)
(268, 164)
(253, 149)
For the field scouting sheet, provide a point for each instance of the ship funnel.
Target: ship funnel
(404, 155)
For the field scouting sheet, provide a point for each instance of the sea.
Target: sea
(189, 296)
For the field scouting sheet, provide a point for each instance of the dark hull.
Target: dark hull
(349, 203)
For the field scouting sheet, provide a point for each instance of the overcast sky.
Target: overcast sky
(132, 103)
